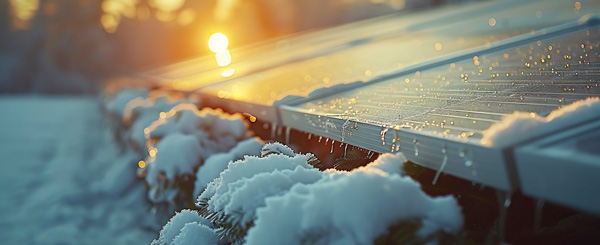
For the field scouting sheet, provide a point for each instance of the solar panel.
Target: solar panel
(435, 115)
(380, 54)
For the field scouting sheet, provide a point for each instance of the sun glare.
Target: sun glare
(218, 42)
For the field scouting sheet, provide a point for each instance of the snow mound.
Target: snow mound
(276, 148)
(231, 200)
(217, 163)
(520, 126)
(187, 137)
(140, 113)
(118, 101)
(177, 154)
(215, 130)
(187, 227)
(353, 208)
(282, 199)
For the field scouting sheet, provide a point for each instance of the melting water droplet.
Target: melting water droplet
(332, 143)
(384, 130)
(320, 138)
(416, 142)
(287, 135)
(468, 162)
(326, 141)
(397, 140)
(444, 162)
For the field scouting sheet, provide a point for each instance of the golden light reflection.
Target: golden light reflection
(152, 152)
(167, 5)
(109, 22)
(23, 11)
(577, 5)
(492, 21)
(186, 17)
(223, 58)
(228, 73)
(142, 164)
(438, 46)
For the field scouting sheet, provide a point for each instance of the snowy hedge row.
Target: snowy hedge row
(250, 192)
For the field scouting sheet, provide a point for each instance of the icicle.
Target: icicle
(332, 143)
(538, 215)
(273, 130)
(279, 129)
(384, 130)
(320, 138)
(287, 135)
(505, 200)
(416, 142)
(441, 169)
(345, 150)
(326, 141)
(309, 136)
(397, 140)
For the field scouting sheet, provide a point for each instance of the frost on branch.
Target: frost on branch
(187, 227)
(282, 199)
(231, 200)
(354, 207)
(217, 163)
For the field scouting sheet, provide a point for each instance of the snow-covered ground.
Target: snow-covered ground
(63, 179)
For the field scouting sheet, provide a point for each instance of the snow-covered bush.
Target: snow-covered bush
(280, 198)
(214, 130)
(353, 208)
(230, 200)
(180, 141)
(141, 112)
(217, 163)
(187, 227)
